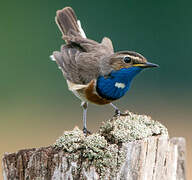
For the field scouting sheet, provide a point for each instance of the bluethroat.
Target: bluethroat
(93, 71)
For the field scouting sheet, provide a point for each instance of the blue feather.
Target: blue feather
(107, 88)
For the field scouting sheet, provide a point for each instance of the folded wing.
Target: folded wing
(80, 58)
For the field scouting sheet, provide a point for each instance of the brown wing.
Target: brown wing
(80, 66)
(80, 58)
(66, 61)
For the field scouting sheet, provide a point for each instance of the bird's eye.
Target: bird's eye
(127, 59)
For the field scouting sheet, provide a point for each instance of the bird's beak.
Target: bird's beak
(146, 65)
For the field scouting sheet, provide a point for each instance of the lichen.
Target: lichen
(103, 150)
(101, 154)
(132, 127)
(70, 140)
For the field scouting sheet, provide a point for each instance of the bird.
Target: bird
(93, 71)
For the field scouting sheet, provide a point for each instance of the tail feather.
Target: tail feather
(67, 21)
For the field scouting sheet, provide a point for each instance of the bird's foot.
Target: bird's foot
(86, 132)
(119, 113)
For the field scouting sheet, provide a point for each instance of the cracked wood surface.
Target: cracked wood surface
(152, 158)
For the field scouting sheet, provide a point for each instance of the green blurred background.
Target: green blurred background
(35, 104)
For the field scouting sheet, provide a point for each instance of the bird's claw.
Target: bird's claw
(119, 113)
(86, 132)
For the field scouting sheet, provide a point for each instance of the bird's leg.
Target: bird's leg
(85, 106)
(117, 111)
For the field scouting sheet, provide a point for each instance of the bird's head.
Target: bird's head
(128, 59)
(125, 60)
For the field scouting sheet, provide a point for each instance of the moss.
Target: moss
(103, 149)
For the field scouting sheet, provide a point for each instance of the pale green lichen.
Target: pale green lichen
(101, 154)
(94, 146)
(132, 127)
(70, 140)
(103, 149)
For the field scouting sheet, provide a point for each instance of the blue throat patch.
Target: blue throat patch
(117, 83)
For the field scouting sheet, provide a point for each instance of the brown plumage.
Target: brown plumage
(80, 58)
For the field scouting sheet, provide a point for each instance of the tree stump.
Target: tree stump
(132, 147)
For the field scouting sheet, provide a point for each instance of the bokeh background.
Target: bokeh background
(35, 105)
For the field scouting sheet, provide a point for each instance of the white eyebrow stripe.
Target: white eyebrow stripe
(119, 85)
(133, 57)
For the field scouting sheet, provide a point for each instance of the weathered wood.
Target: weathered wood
(112, 153)
(181, 163)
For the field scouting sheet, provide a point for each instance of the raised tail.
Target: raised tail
(68, 23)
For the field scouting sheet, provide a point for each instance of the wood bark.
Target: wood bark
(152, 158)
